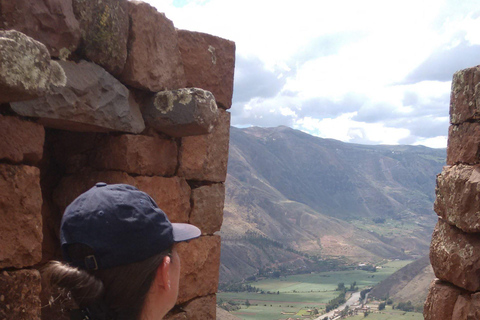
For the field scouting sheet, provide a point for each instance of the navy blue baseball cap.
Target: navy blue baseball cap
(121, 225)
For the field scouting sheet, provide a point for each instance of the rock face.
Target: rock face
(20, 216)
(153, 61)
(92, 100)
(201, 308)
(200, 265)
(441, 301)
(21, 140)
(171, 194)
(455, 256)
(458, 188)
(205, 157)
(467, 307)
(20, 295)
(104, 26)
(209, 64)
(181, 113)
(26, 70)
(465, 98)
(51, 22)
(464, 143)
(136, 154)
(207, 207)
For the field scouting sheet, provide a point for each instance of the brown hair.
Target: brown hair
(121, 289)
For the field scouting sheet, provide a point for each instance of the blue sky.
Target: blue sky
(370, 71)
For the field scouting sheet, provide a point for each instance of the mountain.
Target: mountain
(291, 196)
(410, 283)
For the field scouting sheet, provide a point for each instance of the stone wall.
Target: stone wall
(455, 247)
(108, 91)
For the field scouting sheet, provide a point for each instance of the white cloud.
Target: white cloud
(313, 56)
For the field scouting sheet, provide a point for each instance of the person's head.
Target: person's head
(121, 260)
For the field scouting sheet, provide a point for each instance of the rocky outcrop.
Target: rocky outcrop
(92, 100)
(441, 300)
(153, 61)
(465, 98)
(207, 207)
(181, 113)
(26, 70)
(20, 295)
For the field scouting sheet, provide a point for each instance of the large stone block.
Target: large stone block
(458, 192)
(209, 64)
(441, 300)
(19, 295)
(201, 308)
(20, 216)
(22, 141)
(71, 187)
(200, 259)
(51, 22)
(104, 26)
(464, 143)
(465, 97)
(467, 307)
(153, 61)
(142, 155)
(455, 256)
(207, 207)
(205, 157)
(92, 100)
(26, 70)
(181, 113)
(171, 194)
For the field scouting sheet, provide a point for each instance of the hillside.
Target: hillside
(291, 194)
(409, 283)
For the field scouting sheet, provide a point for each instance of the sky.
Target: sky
(369, 71)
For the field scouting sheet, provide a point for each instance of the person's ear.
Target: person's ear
(162, 278)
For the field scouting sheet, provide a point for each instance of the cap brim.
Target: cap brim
(185, 232)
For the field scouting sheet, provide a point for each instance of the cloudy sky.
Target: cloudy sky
(369, 71)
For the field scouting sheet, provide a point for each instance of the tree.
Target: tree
(381, 306)
(247, 303)
(341, 286)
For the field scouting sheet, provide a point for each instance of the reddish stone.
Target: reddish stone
(465, 97)
(153, 61)
(171, 194)
(441, 300)
(455, 256)
(201, 308)
(457, 197)
(207, 207)
(200, 259)
(22, 141)
(137, 154)
(467, 307)
(205, 157)
(209, 64)
(464, 143)
(20, 216)
(92, 100)
(175, 315)
(51, 22)
(26, 70)
(181, 113)
(72, 186)
(19, 295)
(104, 27)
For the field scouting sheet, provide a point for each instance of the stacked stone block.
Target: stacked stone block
(455, 246)
(77, 108)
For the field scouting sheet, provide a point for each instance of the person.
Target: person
(121, 261)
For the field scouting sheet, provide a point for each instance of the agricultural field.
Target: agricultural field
(293, 296)
(389, 314)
